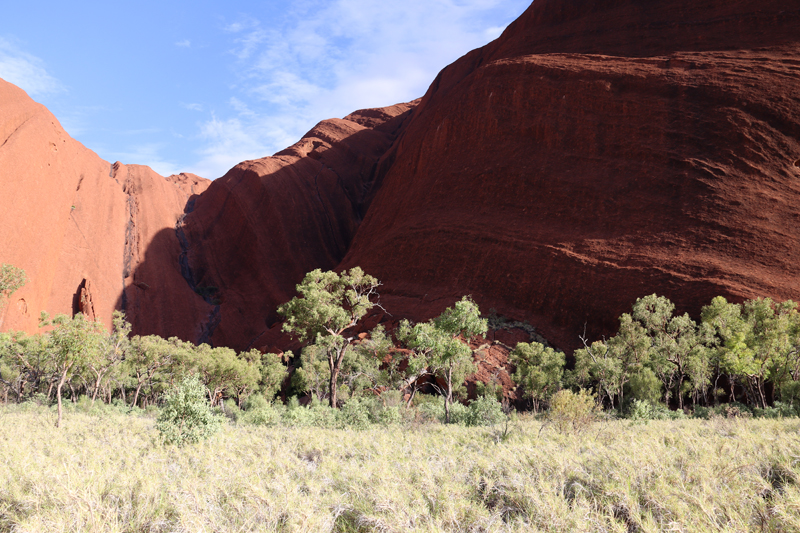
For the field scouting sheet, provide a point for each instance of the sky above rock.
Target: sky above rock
(200, 86)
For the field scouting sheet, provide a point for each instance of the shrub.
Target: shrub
(186, 416)
(727, 410)
(268, 415)
(485, 411)
(388, 416)
(642, 411)
(355, 414)
(459, 414)
(572, 411)
(778, 410)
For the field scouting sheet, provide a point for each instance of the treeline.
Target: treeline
(747, 353)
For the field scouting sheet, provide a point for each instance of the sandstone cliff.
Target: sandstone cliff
(595, 153)
(257, 230)
(81, 227)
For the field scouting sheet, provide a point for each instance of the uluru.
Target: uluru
(594, 153)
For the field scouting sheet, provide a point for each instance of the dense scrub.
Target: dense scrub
(106, 472)
(745, 353)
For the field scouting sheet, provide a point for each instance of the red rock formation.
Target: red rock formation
(259, 229)
(595, 153)
(80, 227)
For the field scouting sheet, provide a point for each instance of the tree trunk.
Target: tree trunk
(332, 385)
(58, 394)
(96, 386)
(411, 396)
(449, 396)
(136, 395)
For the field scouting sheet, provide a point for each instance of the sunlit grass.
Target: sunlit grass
(106, 473)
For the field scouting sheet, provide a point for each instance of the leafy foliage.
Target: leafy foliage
(539, 371)
(186, 416)
(11, 280)
(329, 305)
(570, 411)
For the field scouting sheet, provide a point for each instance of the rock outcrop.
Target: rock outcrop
(595, 153)
(80, 227)
(256, 231)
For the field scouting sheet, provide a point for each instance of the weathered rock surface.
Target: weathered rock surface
(256, 231)
(80, 227)
(595, 153)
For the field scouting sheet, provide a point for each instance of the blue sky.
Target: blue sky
(199, 86)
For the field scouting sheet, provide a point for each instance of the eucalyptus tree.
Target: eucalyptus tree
(72, 342)
(150, 354)
(113, 350)
(273, 371)
(539, 371)
(680, 347)
(441, 341)
(759, 341)
(325, 314)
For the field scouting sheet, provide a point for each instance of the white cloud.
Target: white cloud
(26, 71)
(325, 59)
(192, 106)
(186, 43)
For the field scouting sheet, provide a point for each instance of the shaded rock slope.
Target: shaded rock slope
(91, 236)
(256, 231)
(595, 153)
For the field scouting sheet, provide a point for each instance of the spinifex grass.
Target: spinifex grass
(108, 474)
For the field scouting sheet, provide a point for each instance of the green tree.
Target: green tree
(758, 341)
(679, 346)
(150, 354)
(440, 342)
(599, 364)
(539, 371)
(330, 305)
(273, 373)
(114, 348)
(73, 341)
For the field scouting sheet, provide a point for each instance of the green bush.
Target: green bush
(572, 411)
(778, 410)
(642, 411)
(186, 416)
(355, 414)
(485, 411)
(726, 410)
(268, 415)
(429, 408)
(459, 414)
(315, 415)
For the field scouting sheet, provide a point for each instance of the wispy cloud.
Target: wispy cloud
(326, 59)
(26, 71)
(192, 106)
(186, 43)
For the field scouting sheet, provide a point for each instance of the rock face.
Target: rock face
(80, 227)
(595, 153)
(253, 235)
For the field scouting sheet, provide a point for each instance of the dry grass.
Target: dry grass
(107, 474)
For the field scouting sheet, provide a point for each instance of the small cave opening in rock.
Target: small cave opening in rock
(797, 163)
(76, 298)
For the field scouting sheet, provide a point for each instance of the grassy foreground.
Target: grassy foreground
(105, 473)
